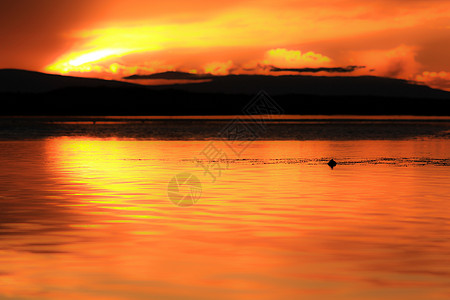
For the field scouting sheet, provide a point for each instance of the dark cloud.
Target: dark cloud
(259, 67)
(171, 75)
(396, 68)
(176, 75)
(347, 69)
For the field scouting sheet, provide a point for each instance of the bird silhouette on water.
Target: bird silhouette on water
(332, 164)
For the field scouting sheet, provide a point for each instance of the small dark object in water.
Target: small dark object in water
(332, 164)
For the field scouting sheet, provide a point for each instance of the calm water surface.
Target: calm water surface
(88, 217)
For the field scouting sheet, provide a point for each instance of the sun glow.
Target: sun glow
(112, 43)
(96, 49)
(83, 61)
(246, 39)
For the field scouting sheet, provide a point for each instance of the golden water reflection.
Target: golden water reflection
(90, 219)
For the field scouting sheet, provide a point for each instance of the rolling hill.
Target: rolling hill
(34, 93)
(21, 81)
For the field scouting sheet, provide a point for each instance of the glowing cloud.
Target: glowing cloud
(280, 58)
(218, 68)
(439, 80)
(399, 62)
(284, 58)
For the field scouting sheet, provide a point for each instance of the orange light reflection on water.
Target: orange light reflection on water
(278, 224)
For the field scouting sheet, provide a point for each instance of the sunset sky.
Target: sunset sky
(114, 38)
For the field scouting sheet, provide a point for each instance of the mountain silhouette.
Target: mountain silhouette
(33, 93)
(22, 81)
(312, 85)
(172, 75)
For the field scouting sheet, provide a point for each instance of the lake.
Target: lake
(158, 208)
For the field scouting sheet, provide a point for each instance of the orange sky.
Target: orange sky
(112, 38)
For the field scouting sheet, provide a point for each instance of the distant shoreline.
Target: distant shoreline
(148, 102)
(210, 128)
(280, 118)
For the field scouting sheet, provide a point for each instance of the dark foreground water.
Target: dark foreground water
(278, 127)
(102, 211)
